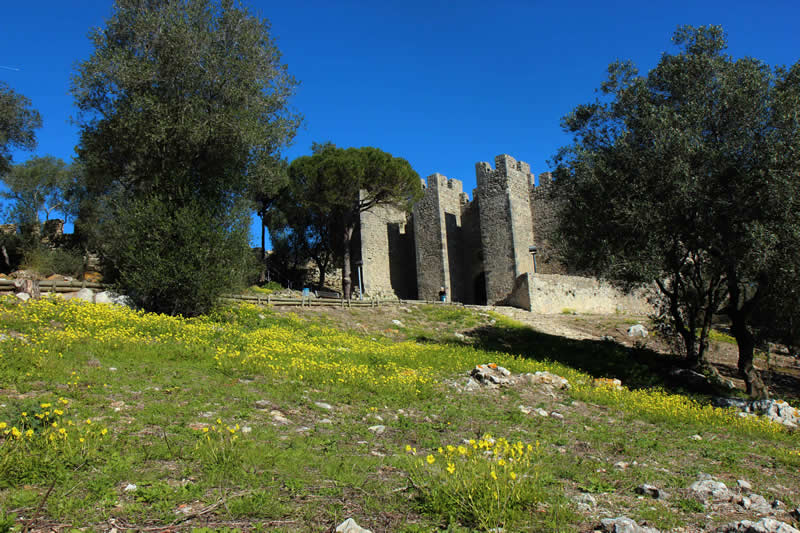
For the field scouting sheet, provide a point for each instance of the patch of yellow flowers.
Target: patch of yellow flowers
(216, 445)
(294, 349)
(487, 480)
(46, 437)
(661, 405)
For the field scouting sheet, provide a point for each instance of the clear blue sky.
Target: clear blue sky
(441, 84)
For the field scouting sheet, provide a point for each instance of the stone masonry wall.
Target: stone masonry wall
(553, 294)
(438, 236)
(506, 227)
(429, 241)
(478, 250)
(387, 252)
(472, 255)
(543, 215)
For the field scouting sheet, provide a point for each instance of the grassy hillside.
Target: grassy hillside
(254, 420)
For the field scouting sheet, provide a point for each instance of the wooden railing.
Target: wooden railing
(55, 285)
(7, 285)
(268, 299)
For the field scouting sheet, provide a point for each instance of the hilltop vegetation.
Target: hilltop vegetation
(260, 420)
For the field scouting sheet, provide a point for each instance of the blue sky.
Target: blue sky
(441, 84)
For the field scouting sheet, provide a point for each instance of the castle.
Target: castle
(476, 249)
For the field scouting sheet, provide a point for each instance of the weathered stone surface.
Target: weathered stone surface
(552, 293)
(709, 489)
(776, 410)
(278, 417)
(378, 430)
(765, 525)
(108, 297)
(637, 330)
(24, 296)
(491, 374)
(87, 295)
(547, 378)
(756, 503)
(351, 526)
(624, 524)
(651, 491)
(585, 501)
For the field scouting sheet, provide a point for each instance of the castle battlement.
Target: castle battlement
(475, 249)
(437, 180)
(507, 170)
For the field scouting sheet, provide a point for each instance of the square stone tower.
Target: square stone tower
(438, 236)
(505, 223)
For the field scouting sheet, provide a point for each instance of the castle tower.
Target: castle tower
(505, 223)
(437, 231)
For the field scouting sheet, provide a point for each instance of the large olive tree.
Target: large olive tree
(689, 177)
(183, 103)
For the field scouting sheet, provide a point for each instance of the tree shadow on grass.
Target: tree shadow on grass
(636, 367)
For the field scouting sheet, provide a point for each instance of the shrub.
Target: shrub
(11, 251)
(486, 483)
(176, 259)
(47, 261)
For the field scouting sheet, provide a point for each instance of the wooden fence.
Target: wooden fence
(54, 285)
(7, 285)
(268, 299)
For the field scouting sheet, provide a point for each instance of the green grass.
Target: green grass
(190, 407)
(717, 336)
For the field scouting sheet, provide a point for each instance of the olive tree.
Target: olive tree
(689, 178)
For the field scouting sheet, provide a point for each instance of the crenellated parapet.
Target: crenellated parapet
(474, 249)
(505, 221)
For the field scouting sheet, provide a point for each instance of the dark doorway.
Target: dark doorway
(480, 289)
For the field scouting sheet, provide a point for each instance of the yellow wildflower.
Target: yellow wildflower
(451, 467)
(431, 459)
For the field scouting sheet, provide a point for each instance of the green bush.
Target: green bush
(47, 261)
(176, 259)
(11, 252)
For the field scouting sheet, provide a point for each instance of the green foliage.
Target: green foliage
(7, 521)
(12, 249)
(46, 261)
(329, 189)
(267, 288)
(182, 98)
(17, 122)
(41, 184)
(183, 104)
(176, 260)
(486, 483)
(686, 177)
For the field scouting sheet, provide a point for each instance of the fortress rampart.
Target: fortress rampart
(474, 249)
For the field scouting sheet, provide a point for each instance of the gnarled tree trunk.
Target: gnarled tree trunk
(347, 283)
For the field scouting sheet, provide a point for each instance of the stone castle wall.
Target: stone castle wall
(506, 227)
(387, 250)
(553, 294)
(543, 215)
(439, 240)
(479, 250)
